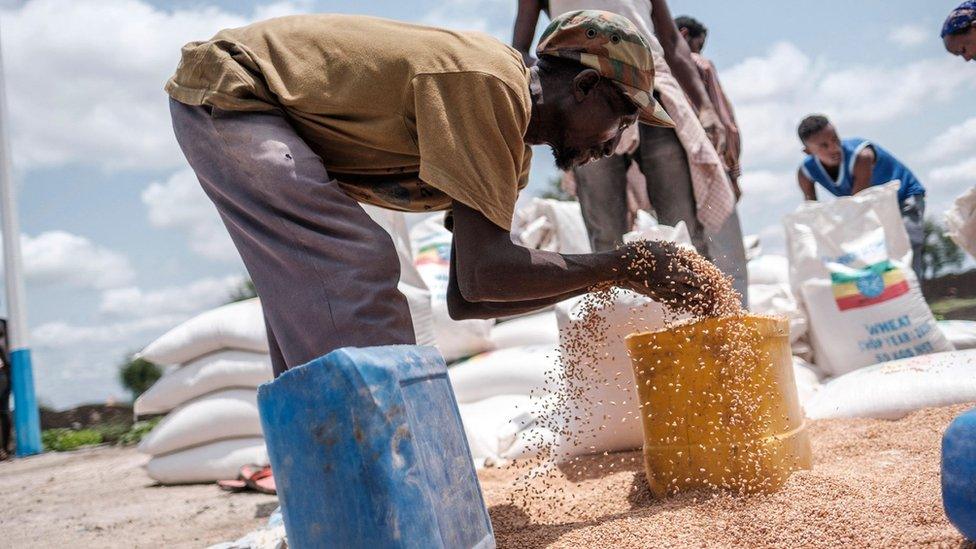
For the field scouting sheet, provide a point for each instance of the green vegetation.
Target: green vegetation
(138, 375)
(947, 306)
(939, 253)
(554, 190)
(137, 431)
(245, 291)
(63, 440)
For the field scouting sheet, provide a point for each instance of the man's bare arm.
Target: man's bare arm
(806, 186)
(678, 56)
(488, 267)
(863, 170)
(526, 20)
(492, 276)
(460, 308)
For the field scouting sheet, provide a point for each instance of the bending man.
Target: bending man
(289, 123)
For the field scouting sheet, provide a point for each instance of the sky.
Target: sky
(120, 244)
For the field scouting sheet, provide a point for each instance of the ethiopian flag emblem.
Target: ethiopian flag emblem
(862, 287)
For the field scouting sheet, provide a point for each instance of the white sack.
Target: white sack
(411, 284)
(604, 394)
(514, 371)
(553, 226)
(769, 269)
(432, 256)
(226, 414)
(961, 333)
(647, 228)
(536, 329)
(235, 326)
(960, 221)
(895, 389)
(222, 370)
(777, 300)
(807, 381)
(850, 268)
(208, 463)
(494, 425)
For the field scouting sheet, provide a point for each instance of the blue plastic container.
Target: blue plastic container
(959, 473)
(368, 450)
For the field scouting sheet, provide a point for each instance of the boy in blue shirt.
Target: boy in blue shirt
(846, 167)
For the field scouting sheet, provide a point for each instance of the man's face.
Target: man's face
(963, 45)
(696, 44)
(825, 145)
(592, 122)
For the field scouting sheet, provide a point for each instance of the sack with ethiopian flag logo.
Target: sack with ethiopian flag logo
(850, 268)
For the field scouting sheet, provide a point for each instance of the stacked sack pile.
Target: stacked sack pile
(216, 361)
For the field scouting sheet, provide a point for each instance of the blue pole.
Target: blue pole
(27, 420)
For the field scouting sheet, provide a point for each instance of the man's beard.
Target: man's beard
(566, 157)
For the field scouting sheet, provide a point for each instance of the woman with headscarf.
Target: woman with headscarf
(959, 31)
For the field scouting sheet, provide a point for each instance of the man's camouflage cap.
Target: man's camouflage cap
(612, 45)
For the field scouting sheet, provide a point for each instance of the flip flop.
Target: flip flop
(240, 483)
(236, 485)
(261, 480)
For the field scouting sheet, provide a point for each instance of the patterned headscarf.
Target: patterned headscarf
(960, 18)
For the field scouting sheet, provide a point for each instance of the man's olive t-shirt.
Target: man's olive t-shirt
(404, 116)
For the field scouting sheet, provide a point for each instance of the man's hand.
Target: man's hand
(650, 268)
(714, 128)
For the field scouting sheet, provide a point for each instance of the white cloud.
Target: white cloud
(78, 363)
(772, 93)
(909, 36)
(85, 78)
(180, 203)
(63, 335)
(194, 297)
(959, 140)
(963, 172)
(59, 257)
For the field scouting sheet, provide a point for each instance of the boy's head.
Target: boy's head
(694, 32)
(820, 139)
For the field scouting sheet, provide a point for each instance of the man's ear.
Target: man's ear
(807, 149)
(684, 32)
(584, 83)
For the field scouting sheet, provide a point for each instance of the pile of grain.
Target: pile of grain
(874, 484)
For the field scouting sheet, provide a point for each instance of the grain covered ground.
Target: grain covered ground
(876, 483)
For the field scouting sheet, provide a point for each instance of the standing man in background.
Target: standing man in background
(725, 245)
(685, 177)
(845, 167)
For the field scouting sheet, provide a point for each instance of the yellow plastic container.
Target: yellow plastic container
(715, 414)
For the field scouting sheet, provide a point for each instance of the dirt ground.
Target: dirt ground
(875, 483)
(101, 497)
